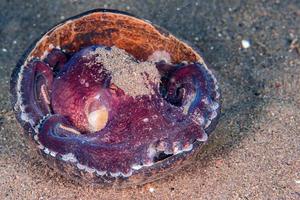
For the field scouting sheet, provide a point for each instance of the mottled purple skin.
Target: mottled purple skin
(127, 139)
(36, 74)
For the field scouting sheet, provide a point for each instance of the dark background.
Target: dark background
(254, 153)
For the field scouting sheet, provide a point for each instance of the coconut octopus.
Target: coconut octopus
(82, 116)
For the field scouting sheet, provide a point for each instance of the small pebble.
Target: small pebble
(151, 190)
(246, 44)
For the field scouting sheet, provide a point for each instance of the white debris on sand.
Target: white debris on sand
(151, 189)
(246, 44)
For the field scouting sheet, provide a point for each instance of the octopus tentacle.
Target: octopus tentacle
(36, 86)
(192, 87)
(56, 59)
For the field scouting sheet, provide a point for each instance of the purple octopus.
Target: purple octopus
(102, 129)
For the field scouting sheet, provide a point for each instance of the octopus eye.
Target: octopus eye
(98, 119)
(111, 102)
(97, 116)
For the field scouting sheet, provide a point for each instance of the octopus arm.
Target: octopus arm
(56, 59)
(193, 88)
(197, 98)
(36, 85)
(56, 132)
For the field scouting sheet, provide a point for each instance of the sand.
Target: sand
(133, 77)
(254, 152)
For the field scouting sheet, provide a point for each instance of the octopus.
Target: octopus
(86, 112)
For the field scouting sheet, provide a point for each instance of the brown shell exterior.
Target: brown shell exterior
(139, 38)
